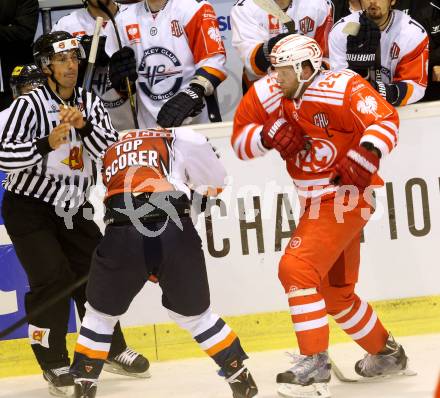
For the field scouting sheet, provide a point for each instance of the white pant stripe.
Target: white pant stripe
(302, 292)
(217, 338)
(356, 318)
(93, 345)
(343, 313)
(366, 329)
(309, 325)
(306, 308)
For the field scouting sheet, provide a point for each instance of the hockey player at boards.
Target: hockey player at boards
(331, 128)
(51, 145)
(255, 32)
(387, 47)
(174, 51)
(81, 24)
(149, 176)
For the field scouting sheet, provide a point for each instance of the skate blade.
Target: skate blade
(66, 391)
(120, 371)
(318, 390)
(403, 373)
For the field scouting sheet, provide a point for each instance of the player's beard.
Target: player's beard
(377, 14)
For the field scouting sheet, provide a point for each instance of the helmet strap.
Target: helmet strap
(57, 84)
(300, 90)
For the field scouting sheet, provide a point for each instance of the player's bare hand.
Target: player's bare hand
(72, 115)
(436, 73)
(59, 135)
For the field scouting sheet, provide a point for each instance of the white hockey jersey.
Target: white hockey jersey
(404, 53)
(251, 26)
(180, 41)
(80, 23)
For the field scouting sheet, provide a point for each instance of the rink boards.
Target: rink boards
(399, 254)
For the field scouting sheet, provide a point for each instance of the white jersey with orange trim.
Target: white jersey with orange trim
(80, 23)
(157, 160)
(171, 47)
(404, 54)
(338, 111)
(251, 26)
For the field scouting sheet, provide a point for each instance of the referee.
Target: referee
(49, 147)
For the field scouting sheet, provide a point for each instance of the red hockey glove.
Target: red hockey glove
(356, 168)
(286, 138)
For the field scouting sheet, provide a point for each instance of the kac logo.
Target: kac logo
(163, 79)
(319, 157)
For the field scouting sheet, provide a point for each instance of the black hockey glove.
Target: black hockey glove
(361, 49)
(262, 57)
(122, 65)
(102, 59)
(187, 103)
(391, 92)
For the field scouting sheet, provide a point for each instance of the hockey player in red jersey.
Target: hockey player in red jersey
(332, 129)
(148, 176)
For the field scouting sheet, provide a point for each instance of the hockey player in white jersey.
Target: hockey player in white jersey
(81, 24)
(149, 235)
(386, 47)
(175, 51)
(255, 32)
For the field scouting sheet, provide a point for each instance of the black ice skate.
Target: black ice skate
(85, 389)
(239, 379)
(390, 361)
(308, 377)
(128, 363)
(60, 381)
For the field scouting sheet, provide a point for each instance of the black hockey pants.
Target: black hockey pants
(53, 257)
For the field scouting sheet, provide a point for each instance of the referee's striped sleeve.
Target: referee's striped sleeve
(18, 145)
(101, 133)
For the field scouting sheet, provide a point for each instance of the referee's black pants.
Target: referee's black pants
(53, 257)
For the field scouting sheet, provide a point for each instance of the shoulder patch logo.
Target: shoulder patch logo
(214, 34)
(306, 25)
(368, 105)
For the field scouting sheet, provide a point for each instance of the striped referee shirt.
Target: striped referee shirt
(60, 177)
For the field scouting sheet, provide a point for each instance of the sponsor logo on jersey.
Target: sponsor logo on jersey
(53, 109)
(88, 368)
(367, 105)
(133, 33)
(435, 29)
(75, 160)
(176, 29)
(274, 25)
(295, 242)
(395, 51)
(320, 119)
(319, 157)
(101, 86)
(39, 336)
(160, 73)
(306, 25)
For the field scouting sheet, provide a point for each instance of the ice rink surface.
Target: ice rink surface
(197, 378)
